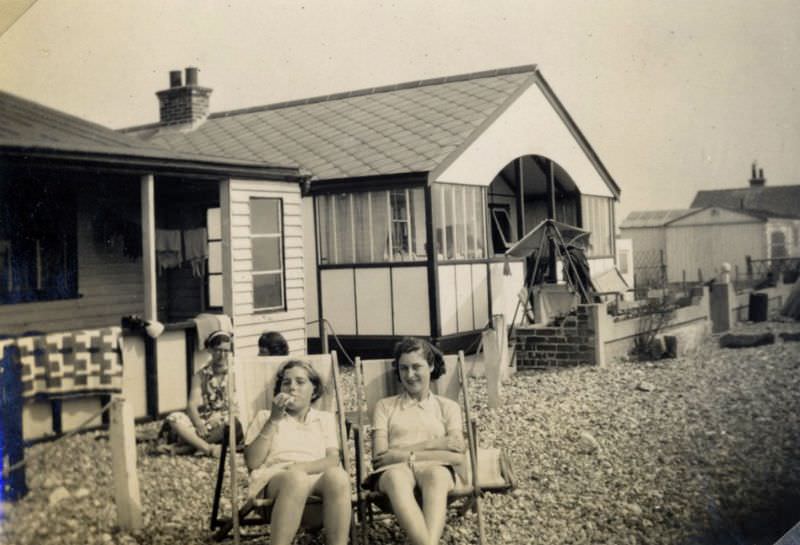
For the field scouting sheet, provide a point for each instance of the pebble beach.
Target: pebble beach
(703, 449)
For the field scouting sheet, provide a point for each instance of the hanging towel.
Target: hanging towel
(196, 250)
(168, 248)
(207, 324)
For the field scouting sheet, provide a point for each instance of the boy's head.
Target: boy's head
(272, 343)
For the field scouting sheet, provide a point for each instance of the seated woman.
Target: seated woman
(417, 442)
(294, 451)
(201, 426)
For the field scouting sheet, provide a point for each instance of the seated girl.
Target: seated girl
(418, 442)
(201, 427)
(294, 451)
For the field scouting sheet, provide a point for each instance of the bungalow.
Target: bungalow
(416, 191)
(95, 225)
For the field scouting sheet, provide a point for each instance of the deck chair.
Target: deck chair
(488, 469)
(255, 385)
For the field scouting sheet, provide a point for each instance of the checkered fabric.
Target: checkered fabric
(70, 362)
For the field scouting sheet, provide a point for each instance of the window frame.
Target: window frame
(330, 235)
(47, 251)
(280, 235)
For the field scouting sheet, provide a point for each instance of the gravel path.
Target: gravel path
(704, 449)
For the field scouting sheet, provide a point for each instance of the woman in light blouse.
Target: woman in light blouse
(418, 442)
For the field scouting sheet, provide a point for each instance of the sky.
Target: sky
(674, 96)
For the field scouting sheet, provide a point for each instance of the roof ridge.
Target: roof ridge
(380, 89)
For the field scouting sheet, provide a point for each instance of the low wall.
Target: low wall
(592, 337)
(691, 325)
(571, 343)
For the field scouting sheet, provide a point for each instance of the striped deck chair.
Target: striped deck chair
(488, 469)
(255, 378)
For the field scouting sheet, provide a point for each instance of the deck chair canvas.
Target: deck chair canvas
(488, 469)
(255, 378)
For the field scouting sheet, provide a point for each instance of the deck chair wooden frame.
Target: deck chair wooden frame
(376, 379)
(255, 385)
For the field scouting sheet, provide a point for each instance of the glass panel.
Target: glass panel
(214, 223)
(471, 222)
(343, 229)
(215, 257)
(480, 213)
(267, 291)
(363, 229)
(597, 219)
(437, 205)
(400, 231)
(215, 290)
(449, 222)
(380, 225)
(323, 223)
(266, 254)
(265, 217)
(418, 223)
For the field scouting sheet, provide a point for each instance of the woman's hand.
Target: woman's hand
(279, 403)
(391, 456)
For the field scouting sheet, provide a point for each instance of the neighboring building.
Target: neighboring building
(723, 226)
(94, 225)
(780, 205)
(416, 191)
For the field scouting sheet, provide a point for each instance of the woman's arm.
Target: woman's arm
(194, 403)
(330, 460)
(255, 453)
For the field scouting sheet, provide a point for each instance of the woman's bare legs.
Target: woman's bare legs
(290, 490)
(334, 488)
(188, 434)
(398, 483)
(435, 482)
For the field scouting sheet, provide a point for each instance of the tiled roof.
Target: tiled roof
(654, 218)
(775, 201)
(403, 128)
(31, 127)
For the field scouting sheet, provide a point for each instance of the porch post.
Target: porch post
(147, 185)
(519, 175)
(551, 214)
(433, 266)
(227, 249)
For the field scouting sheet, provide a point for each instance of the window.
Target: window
(623, 259)
(372, 227)
(38, 243)
(777, 244)
(501, 227)
(459, 221)
(266, 240)
(214, 227)
(596, 213)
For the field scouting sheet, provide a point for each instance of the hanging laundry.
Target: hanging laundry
(195, 242)
(168, 249)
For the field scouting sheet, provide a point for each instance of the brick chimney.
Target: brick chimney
(757, 176)
(183, 104)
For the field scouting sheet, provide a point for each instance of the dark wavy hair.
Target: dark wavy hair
(432, 355)
(272, 343)
(313, 376)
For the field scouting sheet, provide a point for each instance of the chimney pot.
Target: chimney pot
(191, 76)
(175, 78)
